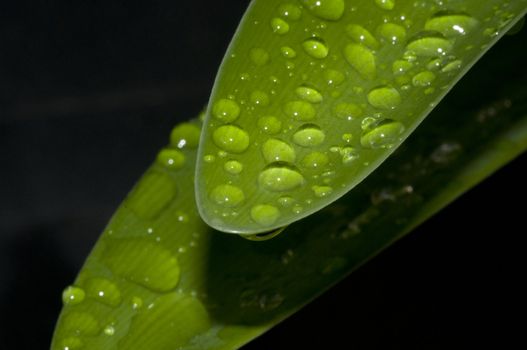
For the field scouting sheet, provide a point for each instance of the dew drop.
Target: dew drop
(322, 191)
(452, 66)
(275, 150)
(279, 177)
(300, 110)
(451, 24)
(143, 262)
(309, 94)
(361, 35)
(103, 291)
(73, 295)
(185, 135)
(226, 110)
(171, 158)
(136, 303)
(279, 26)
(315, 48)
(290, 11)
(385, 4)
(347, 111)
(109, 330)
(269, 125)
(288, 52)
(151, 195)
(361, 59)
(259, 56)
(228, 196)
(424, 78)
(330, 10)
(315, 161)
(430, 44)
(384, 97)
(392, 33)
(333, 77)
(231, 138)
(309, 135)
(259, 98)
(347, 137)
(382, 134)
(265, 214)
(286, 201)
(348, 155)
(233, 167)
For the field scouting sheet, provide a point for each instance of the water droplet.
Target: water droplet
(81, 323)
(226, 110)
(275, 150)
(233, 167)
(451, 24)
(70, 343)
(315, 161)
(347, 111)
(430, 44)
(434, 63)
(259, 56)
(348, 154)
(171, 158)
(315, 48)
(286, 201)
(452, 66)
(73, 295)
(151, 195)
(259, 98)
(231, 138)
(382, 134)
(279, 177)
(333, 77)
(300, 110)
(384, 97)
(385, 4)
(347, 137)
(143, 262)
(182, 216)
(309, 94)
(227, 195)
(136, 303)
(309, 135)
(290, 11)
(392, 33)
(297, 209)
(279, 26)
(270, 125)
(109, 330)
(209, 158)
(322, 191)
(103, 291)
(185, 135)
(361, 59)
(361, 35)
(330, 10)
(424, 78)
(288, 52)
(265, 214)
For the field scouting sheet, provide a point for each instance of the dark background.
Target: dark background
(88, 93)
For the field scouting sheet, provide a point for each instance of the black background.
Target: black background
(88, 93)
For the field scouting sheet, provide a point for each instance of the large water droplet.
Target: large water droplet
(315, 161)
(231, 138)
(259, 56)
(279, 26)
(143, 262)
(227, 195)
(103, 291)
(185, 135)
(382, 134)
(362, 35)
(226, 110)
(347, 111)
(309, 94)
(280, 177)
(392, 33)
(315, 48)
(171, 158)
(385, 4)
(430, 44)
(309, 135)
(451, 24)
(330, 10)
(361, 59)
(300, 110)
(275, 150)
(73, 295)
(384, 97)
(269, 124)
(151, 195)
(265, 214)
(233, 167)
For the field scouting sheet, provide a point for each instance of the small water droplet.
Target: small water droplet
(279, 26)
(361, 59)
(315, 48)
(171, 158)
(286, 201)
(385, 4)
(269, 125)
(290, 11)
(259, 98)
(300, 110)
(309, 135)
(231, 138)
(384, 97)
(424, 78)
(315, 161)
(392, 33)
(109, 330)
(347, 111)
(275, 150)
(330, 10)
(185, 135)
(265, 214)
(136, 303)
(288, 52)
(233, 167)
(362, 36)
(228, 196)
(309, 94)
(347, 137)
(430, 44)
(297, 209)
(348, 155)
(322, 191)
(452, 66)
(259, 56)
(73, 295)
(451, 24)
(226, 110)
(103, 291)
(279, 177)
(333, 77)
(70, 343)
(382, 134)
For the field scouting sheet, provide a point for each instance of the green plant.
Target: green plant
(160, 277)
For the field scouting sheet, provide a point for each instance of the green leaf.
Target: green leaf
(313, 95)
